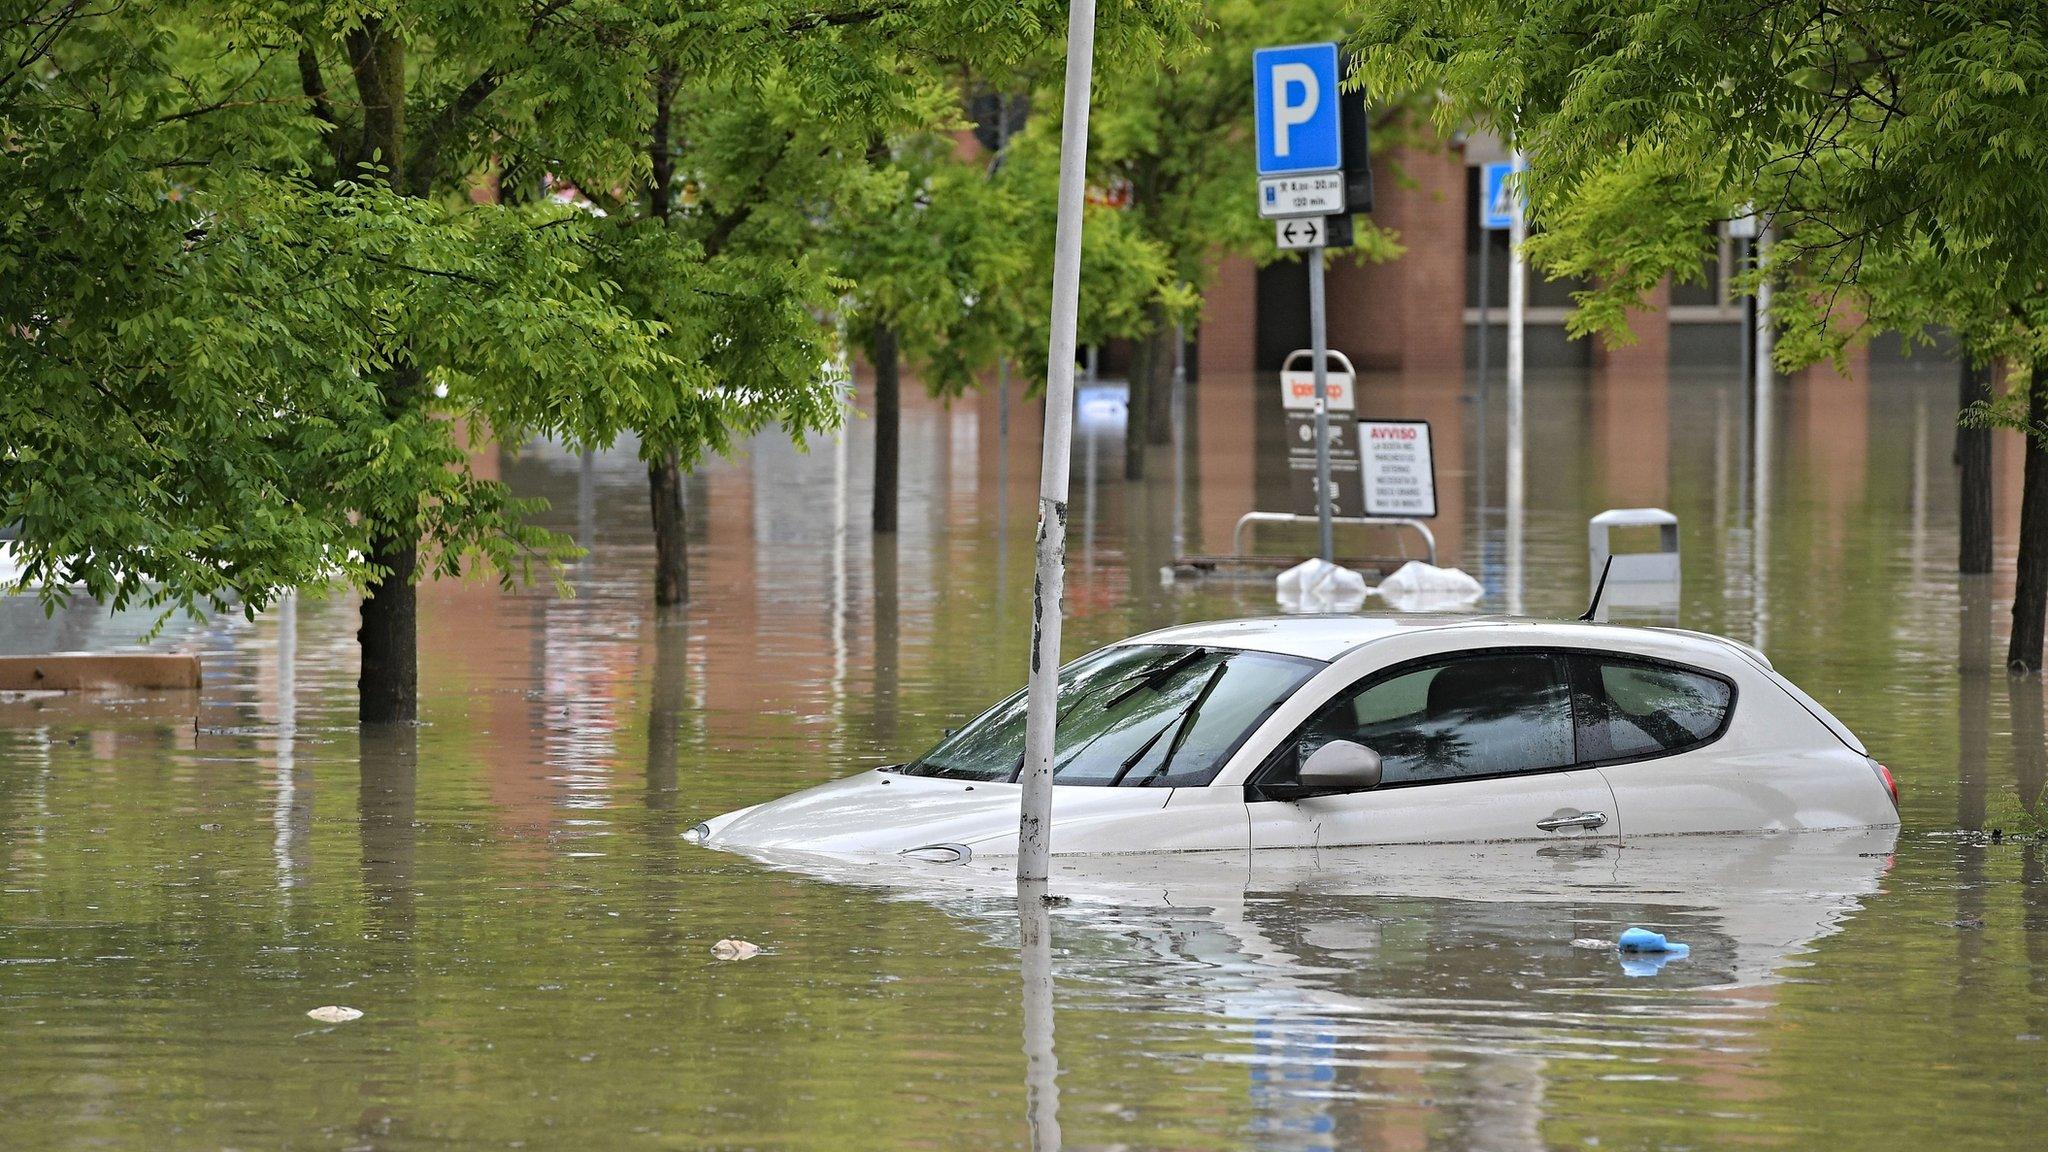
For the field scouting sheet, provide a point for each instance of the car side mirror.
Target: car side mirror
(1338, 766)
(1341, 766)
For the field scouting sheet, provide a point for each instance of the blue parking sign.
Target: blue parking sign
(1295, 99)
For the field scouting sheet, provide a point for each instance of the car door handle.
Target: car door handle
(1582, 820)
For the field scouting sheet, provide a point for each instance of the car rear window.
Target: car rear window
(1632, 708)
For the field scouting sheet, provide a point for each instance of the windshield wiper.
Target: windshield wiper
(1157, 676)
(1152, 679)
(1181, 729)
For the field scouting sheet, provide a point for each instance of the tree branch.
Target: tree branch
(314, 85)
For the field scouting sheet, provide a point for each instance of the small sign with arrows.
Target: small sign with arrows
(1313, 232)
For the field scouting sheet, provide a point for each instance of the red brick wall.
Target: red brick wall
(1408, 315)
(1431, 219)
(1227, 340)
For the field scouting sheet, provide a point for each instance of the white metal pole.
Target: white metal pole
(1760, 449)
(1002, 365)
(1002, 477)
(1518, 283)
(1319, 348)
(1485, 290)
(1766, 338)
(1518, 291)
(1743, 324)
(1180, 437)
(1034, 818)
(1485, 323)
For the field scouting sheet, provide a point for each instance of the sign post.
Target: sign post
(1300, 133)
(1495, 215)
(1319, 343)
(1298, 400)
(1518, 289)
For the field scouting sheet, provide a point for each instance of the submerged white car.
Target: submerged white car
(1302, 732)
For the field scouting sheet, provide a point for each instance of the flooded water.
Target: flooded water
(504, 894)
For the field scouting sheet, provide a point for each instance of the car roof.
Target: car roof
(1316, 637)
(1326, 638)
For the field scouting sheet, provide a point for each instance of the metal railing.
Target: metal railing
(1421, 529)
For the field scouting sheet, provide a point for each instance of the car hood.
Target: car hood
(882, 813)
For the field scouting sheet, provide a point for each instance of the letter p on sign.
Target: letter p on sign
(1294, 94)
(1297, 92)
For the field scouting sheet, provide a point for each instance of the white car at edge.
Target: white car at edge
(1302, 732)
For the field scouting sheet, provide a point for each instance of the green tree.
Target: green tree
(1895, 149)
(733, 167)
(758, 147)
(925, 241)
(249, 301)
(238, 308)
(1126, 274)
(947, 256)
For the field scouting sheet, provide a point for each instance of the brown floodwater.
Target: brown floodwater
(505, 894)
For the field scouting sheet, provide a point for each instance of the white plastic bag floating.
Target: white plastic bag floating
(335, 1014)
(1320, 586)
(1419, 587)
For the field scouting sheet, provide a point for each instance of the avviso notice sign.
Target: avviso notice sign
(1400, 470)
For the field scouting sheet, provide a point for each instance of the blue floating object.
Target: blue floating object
(1644, 963)
(1644, 940)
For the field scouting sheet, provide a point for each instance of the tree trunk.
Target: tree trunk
(1150, 418)
(888, 643)
(378, 57)
(664, 473)
(1159, 396)
(1973, 457)
(387, 688)
(671, 524)
(1141, 387)
(2030, 591)
(888, 415)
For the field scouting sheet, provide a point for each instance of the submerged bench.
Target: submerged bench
(89, 671)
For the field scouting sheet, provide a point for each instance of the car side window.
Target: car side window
(1485, 715)
(1631, 708)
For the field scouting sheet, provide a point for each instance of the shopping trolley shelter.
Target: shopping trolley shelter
(1301, 732)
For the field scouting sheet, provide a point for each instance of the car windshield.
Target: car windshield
(1146, 715)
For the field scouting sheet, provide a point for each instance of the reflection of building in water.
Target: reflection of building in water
(789, 625)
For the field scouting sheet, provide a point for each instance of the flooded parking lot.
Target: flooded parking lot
(505, 894)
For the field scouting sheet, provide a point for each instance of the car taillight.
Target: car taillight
(1891, 786)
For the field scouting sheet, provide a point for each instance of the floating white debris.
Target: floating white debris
(1320, 586)
(735, 950)
(335, 1014)
(1419, 587)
